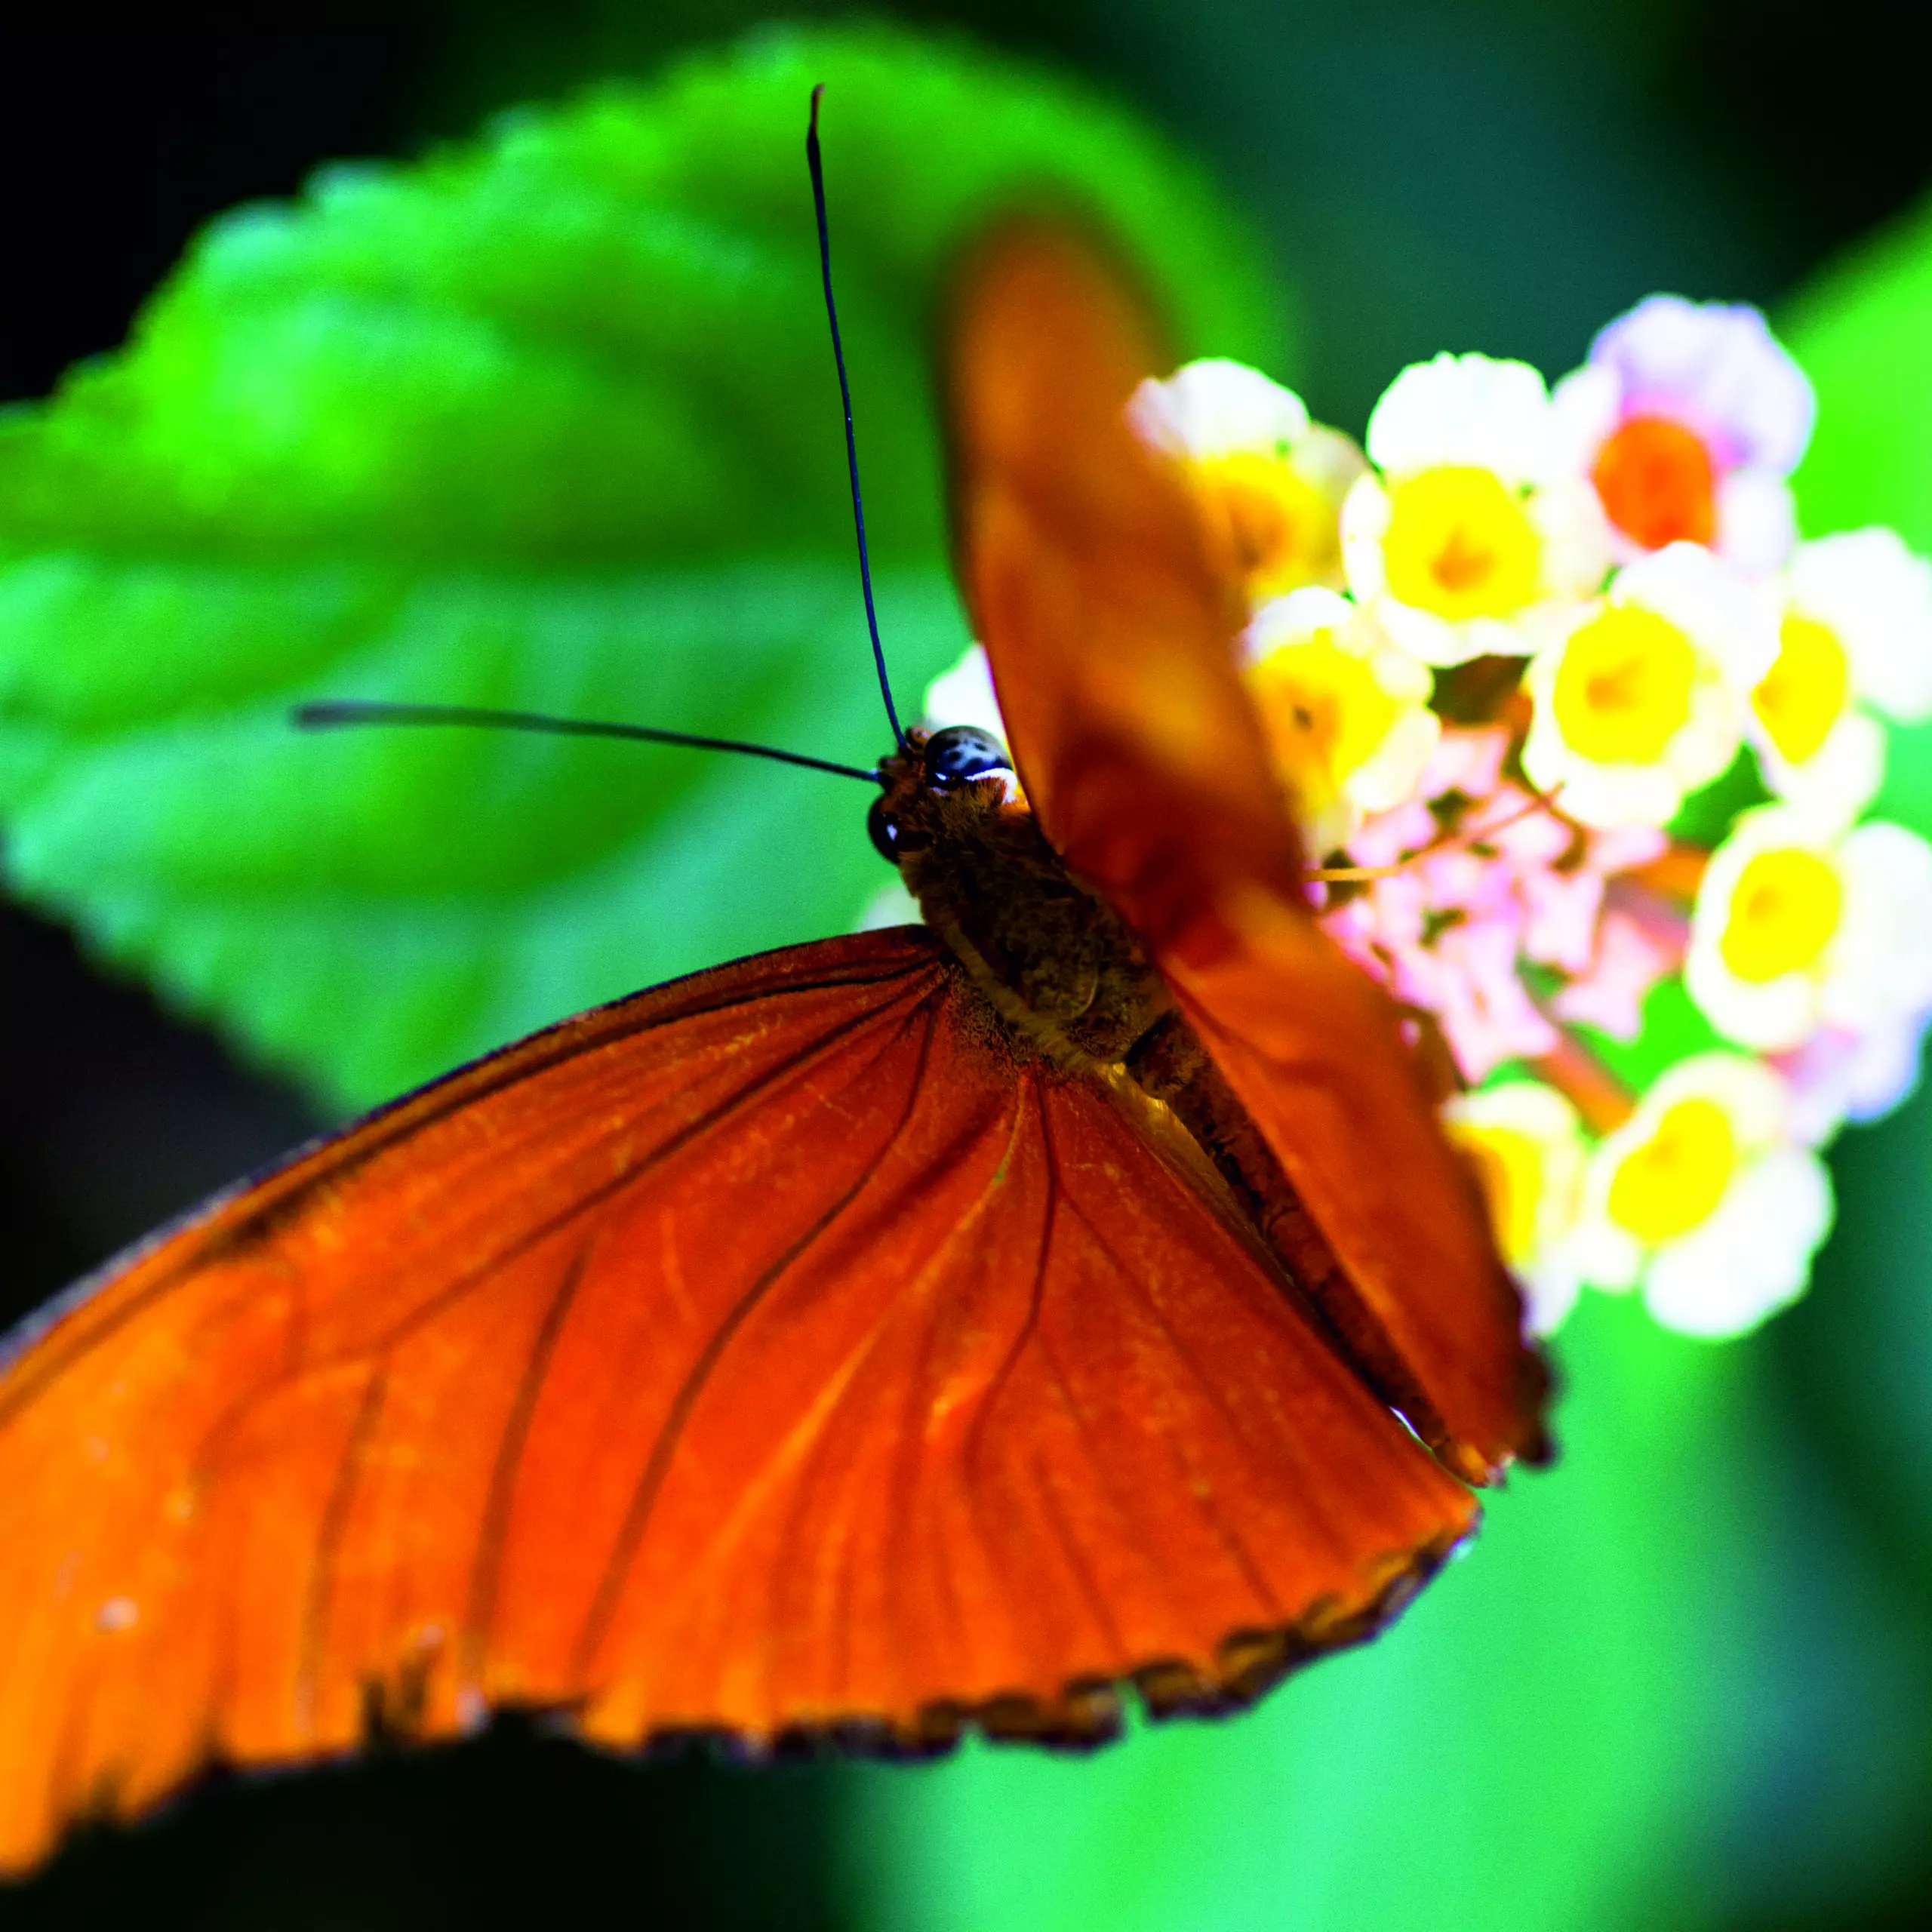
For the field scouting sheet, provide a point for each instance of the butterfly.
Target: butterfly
(905, 1332)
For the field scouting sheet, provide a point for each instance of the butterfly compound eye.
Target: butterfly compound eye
(962, 751)
(884, 834)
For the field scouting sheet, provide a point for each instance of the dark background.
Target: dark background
(1459, 173)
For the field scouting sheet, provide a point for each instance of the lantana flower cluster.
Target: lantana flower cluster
(1582, 738)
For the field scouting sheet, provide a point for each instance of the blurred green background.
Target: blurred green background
(1682, 1681)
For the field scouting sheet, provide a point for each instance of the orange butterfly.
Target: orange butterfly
(904, 1331)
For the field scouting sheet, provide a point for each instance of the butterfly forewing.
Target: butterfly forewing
(1110, 617)
(1098, 588)
(774, 1351)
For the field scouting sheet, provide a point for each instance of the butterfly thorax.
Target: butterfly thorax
(1055, 962)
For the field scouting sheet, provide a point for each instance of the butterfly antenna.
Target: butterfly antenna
(328, 713)
(815, 163)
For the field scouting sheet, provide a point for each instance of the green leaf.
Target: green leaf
(1860, 333)
(548, 421)
(1586, 1724)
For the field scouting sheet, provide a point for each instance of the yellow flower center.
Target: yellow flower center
(1782, 915)
(1804, 692)
(1284, 531)
(1623, 689)
(1508, 1164)
(1670, 1182)
(1325, 714)
(1461, 545)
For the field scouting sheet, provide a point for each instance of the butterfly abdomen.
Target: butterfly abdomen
(1170, 1065)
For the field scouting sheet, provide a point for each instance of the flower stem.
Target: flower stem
(1596, 1093)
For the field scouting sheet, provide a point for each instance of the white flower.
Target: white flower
(1703, 1200)
(1839, 1076)
(1640, 701)
(1527, 1145)
(1273, 480)
(1855, 637)
(1797, 928)
(1216, 407)
(964, 695)
(1688, 417)
(1472, 541)
(1347, 714)
(1490, 413)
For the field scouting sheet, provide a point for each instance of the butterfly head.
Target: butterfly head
(938, 780)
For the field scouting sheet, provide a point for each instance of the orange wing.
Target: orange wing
(767, 1351)
(1109, 615)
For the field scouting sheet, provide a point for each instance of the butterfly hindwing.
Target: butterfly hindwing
(773, 1351)
(1309, 1046)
